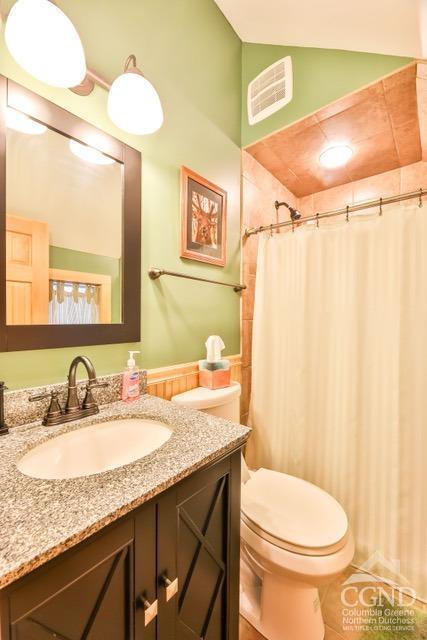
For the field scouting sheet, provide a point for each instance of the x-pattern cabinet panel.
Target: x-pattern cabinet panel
(168, 570)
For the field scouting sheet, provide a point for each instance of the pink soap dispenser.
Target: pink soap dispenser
(131, 380)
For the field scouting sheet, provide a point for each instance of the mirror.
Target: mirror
(63, 228)
(69, 228)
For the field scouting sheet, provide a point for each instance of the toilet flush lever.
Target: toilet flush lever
(171, 587)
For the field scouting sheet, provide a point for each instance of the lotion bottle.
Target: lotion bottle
(131, 380)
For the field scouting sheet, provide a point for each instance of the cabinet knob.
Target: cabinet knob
(171, 587)
(150, 608)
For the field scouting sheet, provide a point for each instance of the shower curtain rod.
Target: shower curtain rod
(379, 202)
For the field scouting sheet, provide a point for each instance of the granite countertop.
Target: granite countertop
(40, 519)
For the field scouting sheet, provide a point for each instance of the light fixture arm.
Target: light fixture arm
(130, 60)
(130, 65)
(92, 78)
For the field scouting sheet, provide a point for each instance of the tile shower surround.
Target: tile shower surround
(260, 190)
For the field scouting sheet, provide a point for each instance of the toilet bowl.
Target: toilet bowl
(294, 538)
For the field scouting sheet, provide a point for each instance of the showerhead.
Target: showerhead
(295, 214)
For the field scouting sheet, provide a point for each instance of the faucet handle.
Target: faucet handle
(42, 396)
(54, 410)
(89, 401)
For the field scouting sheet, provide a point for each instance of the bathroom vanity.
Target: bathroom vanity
(147, 550)
(104, 535)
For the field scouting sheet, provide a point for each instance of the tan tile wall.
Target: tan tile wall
(380, 121)
(409, 178)
(169, 381)
(422, 106)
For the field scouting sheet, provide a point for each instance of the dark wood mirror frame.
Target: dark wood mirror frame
(24, 337)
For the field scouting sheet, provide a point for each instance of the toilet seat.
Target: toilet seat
(313, 569)
(293, 514)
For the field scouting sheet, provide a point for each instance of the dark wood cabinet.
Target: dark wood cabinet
(84, 595)
(169, 570)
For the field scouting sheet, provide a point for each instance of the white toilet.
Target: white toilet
(295, 537)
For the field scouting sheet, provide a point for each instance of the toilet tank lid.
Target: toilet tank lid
(201, 398)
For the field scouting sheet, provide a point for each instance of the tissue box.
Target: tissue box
(215, 379)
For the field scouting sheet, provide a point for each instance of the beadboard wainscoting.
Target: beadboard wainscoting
(169, 381)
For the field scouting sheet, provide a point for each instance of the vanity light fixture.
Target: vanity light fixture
(44, 42)
(133, 103)
(23, 123)
(89, 154)
(336, 156)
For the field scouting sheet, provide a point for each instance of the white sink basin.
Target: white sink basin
(99, 447)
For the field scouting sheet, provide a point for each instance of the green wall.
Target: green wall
(69, 259)
(320, 77)
(199, 66)
(193, 57)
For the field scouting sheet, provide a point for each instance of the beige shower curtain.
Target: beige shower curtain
(339, 383)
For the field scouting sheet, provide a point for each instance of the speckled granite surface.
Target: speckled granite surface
(42, 518)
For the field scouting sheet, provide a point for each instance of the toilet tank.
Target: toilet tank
(223, 403)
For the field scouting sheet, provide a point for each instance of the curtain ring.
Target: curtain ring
(317, 220)
(271, 230)
(420, 199)
(381, 206)
(293, 226)
(347, 216)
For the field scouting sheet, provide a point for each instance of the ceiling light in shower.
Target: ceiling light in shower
(133, 103)
(336, 156)
(89, 154)
(20, 122)
(44, 42)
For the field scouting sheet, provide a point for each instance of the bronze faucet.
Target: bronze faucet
(3, 428)
(73, 410)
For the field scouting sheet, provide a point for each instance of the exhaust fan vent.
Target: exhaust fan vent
(270, 90)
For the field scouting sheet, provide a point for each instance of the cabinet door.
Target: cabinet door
(86, 595)
(206, 528)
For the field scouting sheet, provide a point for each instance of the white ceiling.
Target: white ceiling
(377, 26)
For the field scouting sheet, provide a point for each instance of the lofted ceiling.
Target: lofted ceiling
(382, 123)
(390, 27)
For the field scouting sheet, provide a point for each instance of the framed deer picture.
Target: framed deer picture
(203, 219)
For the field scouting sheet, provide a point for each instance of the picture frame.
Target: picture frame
(203, 219)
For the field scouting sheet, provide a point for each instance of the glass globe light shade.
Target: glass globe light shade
(134, 104)
(44, 42)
